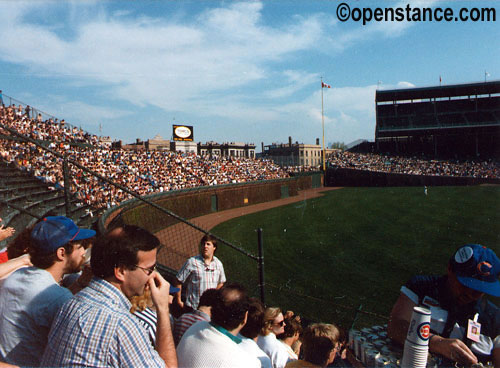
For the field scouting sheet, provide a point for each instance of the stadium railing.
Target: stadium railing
(10, 101)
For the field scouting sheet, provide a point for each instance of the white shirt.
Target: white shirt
(251, 347)
(274, 349)
(202, 345)
(291, 353)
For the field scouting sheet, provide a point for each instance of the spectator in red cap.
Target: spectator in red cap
(454, 300)
(31, 297)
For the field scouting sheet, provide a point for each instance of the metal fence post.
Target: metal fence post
(261, 265)
(67, 183)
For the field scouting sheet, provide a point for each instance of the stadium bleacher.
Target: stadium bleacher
(428, 120)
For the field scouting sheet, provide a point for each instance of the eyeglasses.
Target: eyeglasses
(148, 270)
(281, 323)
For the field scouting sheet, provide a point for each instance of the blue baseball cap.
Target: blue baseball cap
(477, 268)
(55, 231)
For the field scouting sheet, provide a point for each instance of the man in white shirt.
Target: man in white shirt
(250, 332)
(216, 344)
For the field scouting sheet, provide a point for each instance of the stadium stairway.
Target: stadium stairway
(19, 189)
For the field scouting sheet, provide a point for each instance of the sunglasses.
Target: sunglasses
(281, 323)
(148, 271)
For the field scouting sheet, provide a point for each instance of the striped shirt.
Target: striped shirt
(149, 320)
(197, 277)
(96, 329)
(185, 321)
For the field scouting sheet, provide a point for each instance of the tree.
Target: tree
(337, 145)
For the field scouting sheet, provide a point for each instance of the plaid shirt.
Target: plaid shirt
(197, 277)
(96, 329)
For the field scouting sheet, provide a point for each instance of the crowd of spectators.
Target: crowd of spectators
(143, 172)
(116, 311)
(413, 165)
(147, 172)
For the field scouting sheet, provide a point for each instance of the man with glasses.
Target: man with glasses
(96, 328)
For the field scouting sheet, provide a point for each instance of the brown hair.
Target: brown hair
(255, 319)
(43, 260)
(208, 238)
(318, 341)
(292, 326)
(20, 244)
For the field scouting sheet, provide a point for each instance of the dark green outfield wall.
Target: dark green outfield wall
(343, 177)
(190, 203)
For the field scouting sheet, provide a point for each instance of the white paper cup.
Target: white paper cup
(420, 326)
(414, 355)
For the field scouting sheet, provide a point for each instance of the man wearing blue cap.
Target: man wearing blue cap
(465, 327)
(31, 297)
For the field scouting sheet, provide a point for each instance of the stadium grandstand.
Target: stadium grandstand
(453, 121)
(48, 166)
(147, 172)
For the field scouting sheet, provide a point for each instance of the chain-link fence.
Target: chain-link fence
(180, 235)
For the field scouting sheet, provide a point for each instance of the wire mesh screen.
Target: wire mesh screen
(85, 187)
(180, 239)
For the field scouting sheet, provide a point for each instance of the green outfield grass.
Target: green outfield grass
(356, 246)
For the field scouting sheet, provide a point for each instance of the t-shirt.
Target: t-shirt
(251, 347)
(3, 256)
(274, 349)
(205, 345)
(29, 301)
(187, 320)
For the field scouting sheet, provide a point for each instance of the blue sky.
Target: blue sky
(236, 71)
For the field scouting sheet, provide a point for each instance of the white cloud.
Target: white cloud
(403, 84)
(222, 63)
(158, 61)
(74, 111)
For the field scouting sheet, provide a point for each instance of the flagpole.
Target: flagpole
(323, 124)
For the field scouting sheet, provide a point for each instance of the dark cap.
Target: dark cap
(477, 268)
(55, 231)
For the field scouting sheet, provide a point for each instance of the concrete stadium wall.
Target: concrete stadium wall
(343, 177)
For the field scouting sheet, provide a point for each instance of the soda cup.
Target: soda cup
(420, 326)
